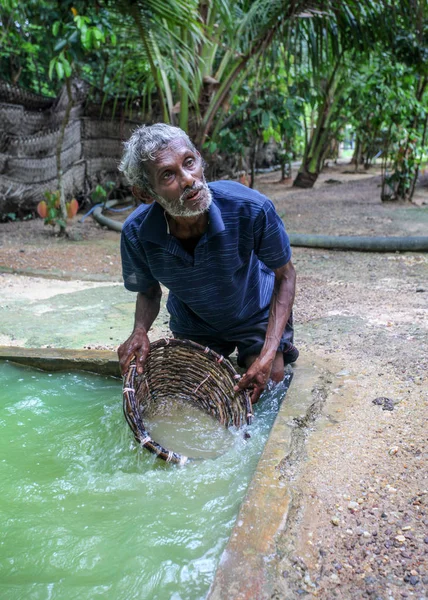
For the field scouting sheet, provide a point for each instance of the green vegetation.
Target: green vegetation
(238, 73)
(51, 210)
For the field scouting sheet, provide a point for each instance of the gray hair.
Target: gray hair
(143, 146)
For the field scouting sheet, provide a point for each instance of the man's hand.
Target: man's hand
(138, 346)
(256, 378)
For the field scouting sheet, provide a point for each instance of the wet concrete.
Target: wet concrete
(37, 313)
(63, 275)
(101, 362)
(245, 572)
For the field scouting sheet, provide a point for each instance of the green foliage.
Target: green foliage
(238, 73)
(82, 36)
(102, 193)
(50, 210)
(76, 38)
(262, 111)
(12, 216)
(390, 118)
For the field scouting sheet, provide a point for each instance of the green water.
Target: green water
(85, 513)
(186, 429)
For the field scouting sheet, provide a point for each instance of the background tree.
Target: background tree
(237, 74)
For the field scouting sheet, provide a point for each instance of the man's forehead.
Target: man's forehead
(173, 150)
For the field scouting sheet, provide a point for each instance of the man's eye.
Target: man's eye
(166, 175)
(190, 162)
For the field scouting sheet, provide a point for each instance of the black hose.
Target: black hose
(103, 220)
(361, 243)
(328, 242)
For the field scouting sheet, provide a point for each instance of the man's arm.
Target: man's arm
(138, 344)
(280, 308)
(279, 313)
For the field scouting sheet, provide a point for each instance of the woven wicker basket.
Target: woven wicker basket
(185, 370)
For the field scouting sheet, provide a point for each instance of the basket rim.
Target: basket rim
(130, 403)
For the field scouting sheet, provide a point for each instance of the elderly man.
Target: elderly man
(220, 249)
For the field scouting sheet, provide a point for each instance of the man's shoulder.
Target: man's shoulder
(135, 219)
(232, 191)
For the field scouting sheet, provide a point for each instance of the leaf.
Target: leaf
(85, 32)
(99, 35)
(55, 27)
(265, 119)
(51, 67)
(42, 209)
(67, 69)
(100, 191)
(66, 64)
(59, 69)
(73, 37)
(72, 208)
(60, 45)
(86, 39)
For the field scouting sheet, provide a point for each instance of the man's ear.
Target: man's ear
(141, 196)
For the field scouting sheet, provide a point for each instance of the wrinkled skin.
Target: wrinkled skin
(136, 346)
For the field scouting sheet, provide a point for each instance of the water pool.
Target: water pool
(85, 513)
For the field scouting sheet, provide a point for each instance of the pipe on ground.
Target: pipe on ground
(328, 242)
(106, 221)
(361, 243)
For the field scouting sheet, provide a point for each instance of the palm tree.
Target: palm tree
(203, 51)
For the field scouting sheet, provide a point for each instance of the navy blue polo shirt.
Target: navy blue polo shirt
(229, 281)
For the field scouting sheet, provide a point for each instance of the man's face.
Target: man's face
(177, 178)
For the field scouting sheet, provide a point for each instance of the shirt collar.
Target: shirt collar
(155, 227)
(215, 222)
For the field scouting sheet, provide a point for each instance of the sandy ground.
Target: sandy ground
(358, 527)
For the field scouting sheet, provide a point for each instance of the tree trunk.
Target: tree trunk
(415, 178)
(313, 160)
(253, 163)
(64, 124)
(319, 141)
(356, 157)
(305, 179)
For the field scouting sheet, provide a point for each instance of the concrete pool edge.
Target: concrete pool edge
(60, 274)
(244, 570)
(101, 362)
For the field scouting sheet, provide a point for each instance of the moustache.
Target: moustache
(192, 191)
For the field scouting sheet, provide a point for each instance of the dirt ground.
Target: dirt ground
(358, 527)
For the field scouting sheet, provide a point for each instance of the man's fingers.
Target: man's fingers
(138, 347)
(140, 358)
(124, 362)
(243, 383)
(257, 392)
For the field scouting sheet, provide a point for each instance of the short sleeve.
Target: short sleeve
(271, 242)
(137, 276)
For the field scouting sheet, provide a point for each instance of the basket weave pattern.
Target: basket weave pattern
(181, 369)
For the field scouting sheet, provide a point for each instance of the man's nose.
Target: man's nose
(187, 179)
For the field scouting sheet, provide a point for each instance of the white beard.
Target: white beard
(180, 210)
